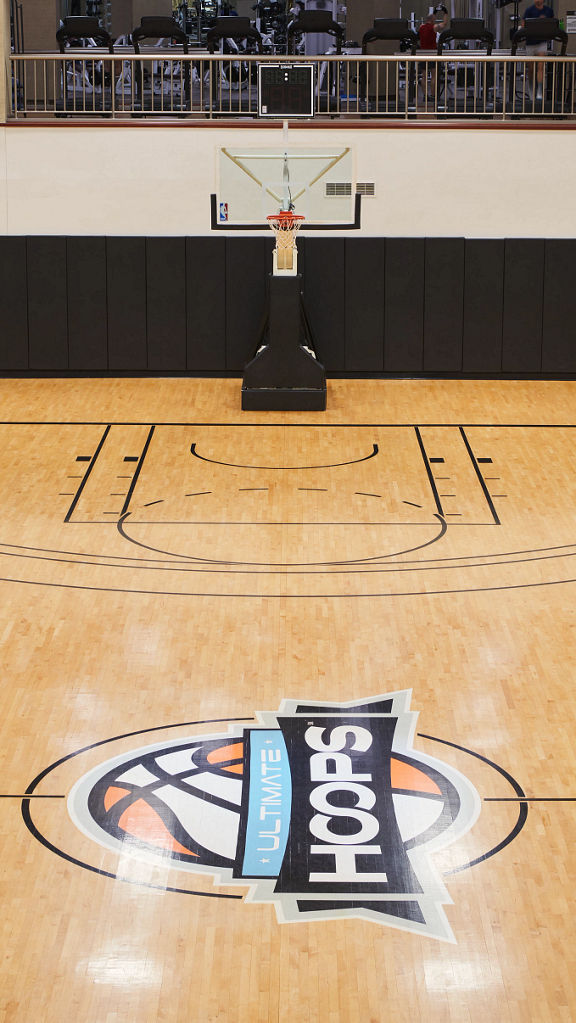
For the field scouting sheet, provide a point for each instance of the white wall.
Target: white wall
(152, 180)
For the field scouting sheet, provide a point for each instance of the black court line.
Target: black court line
(6, 795)
(137, 471)
(568, 551)
(530, 799)
(429, 472)
(284, 468)
(196, 565)
(521, 798)
(289, 565)
(260, 522)
(287, 596)
(161, 565)
(287, 426)
(87, 474)
(478, 472)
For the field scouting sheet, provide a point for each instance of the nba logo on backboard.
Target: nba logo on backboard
(324, 810)
(223, 211)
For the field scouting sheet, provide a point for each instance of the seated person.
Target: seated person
(537, 10)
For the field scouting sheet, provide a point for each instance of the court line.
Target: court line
(480, 476)
(286, 596)
(160, 561)
(289, 426)
(429, 472)
(530, 799)
(522, 810)
(138, 470)
(87, 474)
(166, 566)
(271, 565)
(161, 564)
(281, 468)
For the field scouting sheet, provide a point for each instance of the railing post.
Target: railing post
(5, 75)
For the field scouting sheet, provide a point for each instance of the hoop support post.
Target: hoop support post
(285, 225)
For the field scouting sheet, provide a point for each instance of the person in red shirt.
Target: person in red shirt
(427, 34)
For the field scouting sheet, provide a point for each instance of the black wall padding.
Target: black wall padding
(483, 306)
(206, 304)
(87, 304)
(166, 304)
(13, 305)
(364, 304)
(558, 331)
(404, 305)
(324, 297)
(47, 303)
(377, 307)
(243, 290)
(523, 303)
(443, 304)
(126, 282)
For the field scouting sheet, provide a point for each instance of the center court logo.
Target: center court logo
(325, 810)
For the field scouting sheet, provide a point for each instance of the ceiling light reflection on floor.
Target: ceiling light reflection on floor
(122, 969)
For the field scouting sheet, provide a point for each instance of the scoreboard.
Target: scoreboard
(286, 90)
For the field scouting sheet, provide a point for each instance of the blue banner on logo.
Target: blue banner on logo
(270, 804)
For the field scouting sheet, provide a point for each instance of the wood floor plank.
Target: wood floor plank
(170, 568)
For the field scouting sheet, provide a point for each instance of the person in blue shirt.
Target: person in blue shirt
(537, 10)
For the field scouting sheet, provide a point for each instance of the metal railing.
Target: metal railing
(459, 84)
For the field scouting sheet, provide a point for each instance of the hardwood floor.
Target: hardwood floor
(287, 703)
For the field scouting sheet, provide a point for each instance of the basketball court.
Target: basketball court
(286, 703)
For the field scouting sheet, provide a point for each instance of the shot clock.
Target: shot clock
(286, 90)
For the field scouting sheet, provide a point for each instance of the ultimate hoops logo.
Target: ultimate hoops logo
(326, 811)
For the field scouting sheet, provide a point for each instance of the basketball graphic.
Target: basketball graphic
(184, 801)
(324, 810)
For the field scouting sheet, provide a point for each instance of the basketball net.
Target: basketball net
(285, 225)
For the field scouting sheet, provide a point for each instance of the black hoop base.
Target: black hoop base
(285, 375)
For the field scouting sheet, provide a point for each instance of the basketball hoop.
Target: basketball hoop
(285, 225)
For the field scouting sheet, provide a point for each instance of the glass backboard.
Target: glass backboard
(252, 186)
